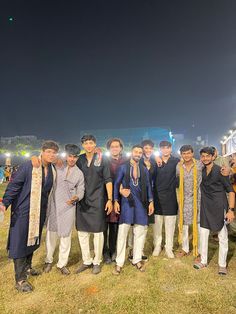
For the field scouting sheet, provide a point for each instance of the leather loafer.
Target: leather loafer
(96, 269)
(65, 271)
(82, 268)
(33, 272)
(47, 267)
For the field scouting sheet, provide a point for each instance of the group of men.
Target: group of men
(115, 198)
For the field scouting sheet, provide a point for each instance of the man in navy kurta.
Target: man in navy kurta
(136, 204)
(18, 194)
(165, 200)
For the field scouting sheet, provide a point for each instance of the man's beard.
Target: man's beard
(209, 162)
(137, 159)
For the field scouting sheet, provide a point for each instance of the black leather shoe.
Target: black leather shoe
(33, 272)
(83, 267)
(47, 267)
(24, 286)
(107, 258)
(144, 258)
(65, 271)
(113, 257)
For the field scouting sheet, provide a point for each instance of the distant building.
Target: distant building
(25, 139)
(229, 144)
(132, 136)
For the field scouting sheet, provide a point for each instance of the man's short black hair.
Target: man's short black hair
(137, 146)
(115, 139)
(72, 149)
(186, 148)
(213, 149)
(207, 150)
(147, 142)
(165, 143)
(50, 145)
(88, 137)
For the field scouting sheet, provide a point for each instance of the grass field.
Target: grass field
(167, 286)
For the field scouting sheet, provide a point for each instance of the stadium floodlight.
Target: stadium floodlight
(108, 154)
(128, 154)
(63, 155)
(230, 132)
(27, 155)
(225, 137)
(222, 142)
(8, 154)
(157, 153)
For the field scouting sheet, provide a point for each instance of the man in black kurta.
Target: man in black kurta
(91, 210)
(115, 147)
(216, 209)
(165, 200)
(18, 194)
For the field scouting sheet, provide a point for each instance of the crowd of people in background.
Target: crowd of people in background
(6, 172)
(115, 199)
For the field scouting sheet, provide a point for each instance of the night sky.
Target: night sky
(69, 65)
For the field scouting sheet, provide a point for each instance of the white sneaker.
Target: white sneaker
(156, 251)
(170, 254)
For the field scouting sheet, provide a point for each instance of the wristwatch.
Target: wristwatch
(230, 208)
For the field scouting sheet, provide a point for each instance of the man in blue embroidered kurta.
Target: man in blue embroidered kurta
(28, 195)
(136, 205)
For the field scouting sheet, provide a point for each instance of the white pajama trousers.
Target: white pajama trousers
(130, 241)
(223, 245)
(185, 239)
(98, 241)
(169, 222)
(64, 248)
(140, 233)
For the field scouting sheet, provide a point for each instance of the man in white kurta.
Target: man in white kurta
(61, 212)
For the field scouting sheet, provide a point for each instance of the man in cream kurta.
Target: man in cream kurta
(61, 212)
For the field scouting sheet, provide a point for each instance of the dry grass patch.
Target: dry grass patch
(167, 286)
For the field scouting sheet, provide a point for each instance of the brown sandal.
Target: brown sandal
(182, 253)
(117, 270)
(139, 266)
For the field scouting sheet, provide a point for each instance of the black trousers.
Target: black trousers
(110, 238)
(22, 265)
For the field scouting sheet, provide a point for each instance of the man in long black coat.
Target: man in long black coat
(19, 195)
